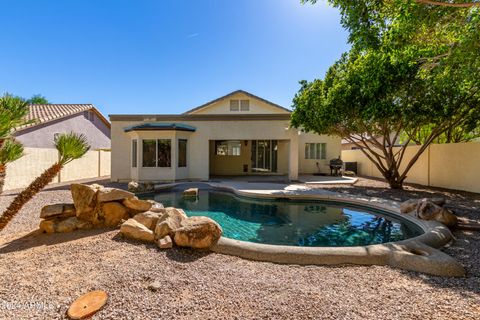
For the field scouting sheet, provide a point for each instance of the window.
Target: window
(227, 148)
(134, 153)
(164, 148)
(149, 148)
(234, 105)
(156, 153)
(182, 153)
(244, 105)
(315, 150)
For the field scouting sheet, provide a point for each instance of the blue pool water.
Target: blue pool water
(288, 222)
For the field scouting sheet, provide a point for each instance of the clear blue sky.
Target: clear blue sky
(163, 56)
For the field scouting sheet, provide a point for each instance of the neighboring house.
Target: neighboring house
(53, 119)
(237, 134)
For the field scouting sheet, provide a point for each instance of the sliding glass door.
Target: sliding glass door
(264, 155)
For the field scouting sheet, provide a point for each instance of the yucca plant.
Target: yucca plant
(13, 112)
(70, 146)
(10, 151)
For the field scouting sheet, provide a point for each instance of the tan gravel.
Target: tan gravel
(41, 275)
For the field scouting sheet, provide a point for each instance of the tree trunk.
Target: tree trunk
(23, 197)
(3, 173)
(394, 184)
(393, 178)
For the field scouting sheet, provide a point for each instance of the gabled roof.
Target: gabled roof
(233, 93)
(43, 113)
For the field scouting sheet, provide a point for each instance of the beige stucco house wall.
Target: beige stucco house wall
(214, 121)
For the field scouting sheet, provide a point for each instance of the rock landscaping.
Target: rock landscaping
(139, 187)
(57, 268)
(430, 209)
(95, 206)
(191, 192)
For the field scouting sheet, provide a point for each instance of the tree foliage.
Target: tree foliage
(412, 70)
(38, 99)
(13, 111)
(71, 146)
(12, 115)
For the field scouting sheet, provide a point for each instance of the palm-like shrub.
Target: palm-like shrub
(13, 111)
(70, 146)
(9, 152)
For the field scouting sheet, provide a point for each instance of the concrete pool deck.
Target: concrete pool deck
(416, 254)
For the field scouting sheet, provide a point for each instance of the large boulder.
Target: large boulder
(58, 210)
(47, 226)
(169, 222)
(67, 225)
(156, 207)
(64, 225)
(113, 213)
(84, 200)
(139, 187)
(134, 186)
(197, 232)
(428, 210)
(113, 194)
(191, 192)
(412, 204)
(136, 204)
(135, 230)
(72, 224)
(148, 218)
(408, 206)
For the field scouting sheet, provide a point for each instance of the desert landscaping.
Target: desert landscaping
(50, 271)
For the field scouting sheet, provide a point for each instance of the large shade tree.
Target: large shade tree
(411, 67)
(70, 146)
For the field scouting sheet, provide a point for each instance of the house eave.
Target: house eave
(198, 117)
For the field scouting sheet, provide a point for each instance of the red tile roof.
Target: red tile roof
(42, 113)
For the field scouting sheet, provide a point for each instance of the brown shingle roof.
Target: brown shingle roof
(41, 113)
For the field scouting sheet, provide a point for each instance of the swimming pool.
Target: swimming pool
(291, 222)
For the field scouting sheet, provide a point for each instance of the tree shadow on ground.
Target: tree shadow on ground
(36, 239)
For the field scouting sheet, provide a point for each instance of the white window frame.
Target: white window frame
(315, 151)
(233, 148)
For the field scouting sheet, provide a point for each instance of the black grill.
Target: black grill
(335, 166)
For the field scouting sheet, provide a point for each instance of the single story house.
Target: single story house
(237, 134)
(49, 120)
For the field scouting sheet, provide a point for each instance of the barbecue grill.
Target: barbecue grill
(335, 166)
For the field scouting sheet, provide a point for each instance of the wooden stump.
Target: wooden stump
(87, 305)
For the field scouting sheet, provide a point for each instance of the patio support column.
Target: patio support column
(293, 159)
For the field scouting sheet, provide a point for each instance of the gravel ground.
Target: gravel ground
(42, 274)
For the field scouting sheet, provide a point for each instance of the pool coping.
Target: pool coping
(419, 253)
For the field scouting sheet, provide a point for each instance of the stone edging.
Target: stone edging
(414, 254)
